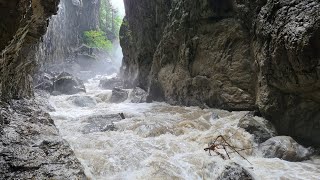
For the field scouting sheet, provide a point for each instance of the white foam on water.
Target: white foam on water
(160, 141)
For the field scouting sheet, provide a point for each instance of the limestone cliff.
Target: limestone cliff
(234, 54)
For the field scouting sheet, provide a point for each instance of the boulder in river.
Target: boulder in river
(111, 83)
(101, 123)
(83, 101)
(234, 171)
(66, 83)
(138, 95)
(119, 95)
(260, 128)
(214, 116)
(286, 148)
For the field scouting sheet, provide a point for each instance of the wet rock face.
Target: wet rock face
(286, 148)
(288, 36)
(235, 55)
(140, 34)
(30, 145)
(22, 23)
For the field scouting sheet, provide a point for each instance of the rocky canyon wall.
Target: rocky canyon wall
(140, 34)
(22, 24)
(234, 54)
(30, 144)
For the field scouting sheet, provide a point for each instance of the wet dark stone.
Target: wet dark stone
(65, 83)
(261, 131)
(111, 83)
(101, 123)
(83, 101)
(234, 171)
(286, 148)
(119, 95)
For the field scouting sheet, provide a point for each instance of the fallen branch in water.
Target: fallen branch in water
(223, 144)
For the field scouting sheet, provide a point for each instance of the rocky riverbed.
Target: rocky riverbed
(160, 141)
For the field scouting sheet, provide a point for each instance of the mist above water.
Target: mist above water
(62, 47)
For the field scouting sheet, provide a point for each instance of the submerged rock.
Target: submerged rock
(214, 116)
(65, 83)
(119, 95)
(286, 148)
(234, 171)
(111, 83)
(83, 101)
(101, 123)
(138, 95)
(260, 128)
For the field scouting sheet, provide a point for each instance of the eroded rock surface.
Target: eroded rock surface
(22, 23)
(139, 37)
(235, 55)
(31, 147)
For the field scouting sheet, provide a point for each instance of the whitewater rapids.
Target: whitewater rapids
(160, 141)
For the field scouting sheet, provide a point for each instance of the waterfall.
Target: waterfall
(62, 36)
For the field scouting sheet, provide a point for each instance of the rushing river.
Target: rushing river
(160, 141)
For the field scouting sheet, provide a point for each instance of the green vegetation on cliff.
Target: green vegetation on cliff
(97, 39)
(110, 20)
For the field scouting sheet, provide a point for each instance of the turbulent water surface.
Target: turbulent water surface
(160, 141)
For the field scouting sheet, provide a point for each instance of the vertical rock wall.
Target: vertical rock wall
(30, 145)
(139, 36)
(22, 24)
(234, 54)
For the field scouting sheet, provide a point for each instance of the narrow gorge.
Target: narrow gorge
(160, 89)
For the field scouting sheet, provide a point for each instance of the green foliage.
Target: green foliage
(105, 14)
(110, 20)
(97, 39)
